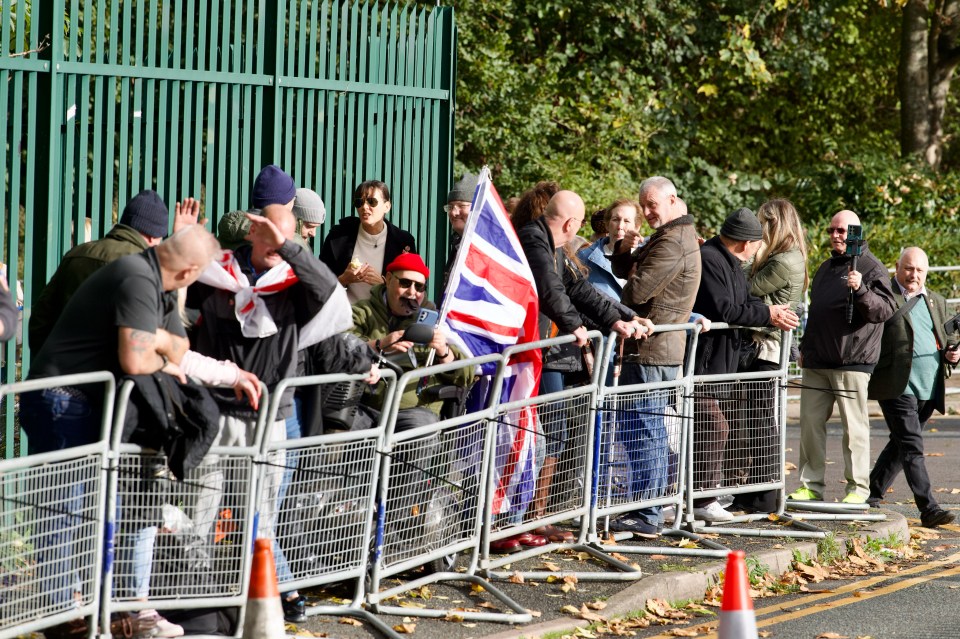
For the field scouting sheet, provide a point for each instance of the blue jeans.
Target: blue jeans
(644, 436)
(54, 420)
(284, 574)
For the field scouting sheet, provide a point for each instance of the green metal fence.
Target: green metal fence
(104, 98)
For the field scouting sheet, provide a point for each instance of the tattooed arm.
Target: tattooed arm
(138, 354)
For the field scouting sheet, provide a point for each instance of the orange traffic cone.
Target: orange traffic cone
(737, 620)
(264, 617)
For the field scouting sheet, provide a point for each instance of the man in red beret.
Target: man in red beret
(382, 319)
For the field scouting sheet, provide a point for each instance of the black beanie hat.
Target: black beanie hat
(272, 186)
(741, 225)
(147, 213)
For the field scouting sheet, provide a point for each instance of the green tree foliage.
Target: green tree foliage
(736, 100)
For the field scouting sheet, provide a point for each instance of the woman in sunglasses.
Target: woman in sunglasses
(360, 246)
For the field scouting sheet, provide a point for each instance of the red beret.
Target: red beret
(409, 262)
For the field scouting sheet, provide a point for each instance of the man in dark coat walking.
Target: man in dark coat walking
(908, 382)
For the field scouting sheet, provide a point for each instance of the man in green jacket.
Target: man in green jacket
(144, 223)
(382, 319)
(908, 382)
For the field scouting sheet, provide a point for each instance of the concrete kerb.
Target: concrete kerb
(677, 586)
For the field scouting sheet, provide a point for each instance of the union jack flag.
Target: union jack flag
(490, 304)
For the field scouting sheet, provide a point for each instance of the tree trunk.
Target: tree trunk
(912, 80)
(928, 58)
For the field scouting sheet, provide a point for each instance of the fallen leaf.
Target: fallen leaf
(568, 587)
(535, 613)
(590, 616)
(469, 625)
(350, 621)
(415, 510)
(454, 617)
(552, 579)
(477, 588)
(831, 635)
(658, 557)
(596, 605)
(551, 566)
(516, 578)
(405, 628)
(487, 604)
(570, 610)
(685, 632)
(583, 632)
(933, 454)
(764, 633)
(412, 604)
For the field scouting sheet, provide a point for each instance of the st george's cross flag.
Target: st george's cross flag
(490, 304)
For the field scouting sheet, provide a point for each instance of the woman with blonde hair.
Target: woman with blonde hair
(778, 275)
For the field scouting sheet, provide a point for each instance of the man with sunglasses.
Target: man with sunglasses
(382, 319)
(838, 358)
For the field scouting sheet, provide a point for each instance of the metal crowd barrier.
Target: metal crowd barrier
(51, 520)
(563, 424)
(179, 543)
(327, 501)
(641, 451)
(429, 505)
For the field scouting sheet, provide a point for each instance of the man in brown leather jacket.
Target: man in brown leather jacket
(664, 275)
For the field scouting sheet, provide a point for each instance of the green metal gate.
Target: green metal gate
(103, 98)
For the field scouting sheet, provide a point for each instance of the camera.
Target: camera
(854, 240)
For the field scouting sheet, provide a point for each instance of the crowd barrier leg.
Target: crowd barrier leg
(52, 511)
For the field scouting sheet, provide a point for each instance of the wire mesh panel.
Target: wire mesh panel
(181, 539)
(324, 513)
(736, 435)
(639, 444)
(50, 535)
(432, 493)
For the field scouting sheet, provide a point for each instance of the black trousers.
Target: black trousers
(905, 417)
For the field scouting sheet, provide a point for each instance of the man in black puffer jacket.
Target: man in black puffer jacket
(841, 356)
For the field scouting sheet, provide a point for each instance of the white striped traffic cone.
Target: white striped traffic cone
(264, 617)
(737, 620)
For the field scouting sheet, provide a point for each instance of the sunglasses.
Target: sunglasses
(407, 283)
(372, 201)
(839, 230)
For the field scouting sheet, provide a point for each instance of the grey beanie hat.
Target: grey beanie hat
(147, 213)
(463, 190)
(742, 225)
(308, 206)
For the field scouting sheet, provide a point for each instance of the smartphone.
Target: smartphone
(428, 316)
(854, 239)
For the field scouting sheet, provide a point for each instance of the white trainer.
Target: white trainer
(151, 624)
(713, 512)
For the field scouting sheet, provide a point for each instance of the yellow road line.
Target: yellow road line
(856, 587)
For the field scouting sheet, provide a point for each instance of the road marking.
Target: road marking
(856, 587)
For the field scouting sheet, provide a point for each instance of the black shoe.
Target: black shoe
(294, 610)
(638, 527)
(936, 518)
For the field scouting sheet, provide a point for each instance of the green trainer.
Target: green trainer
(854, 498)
(804, 494)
